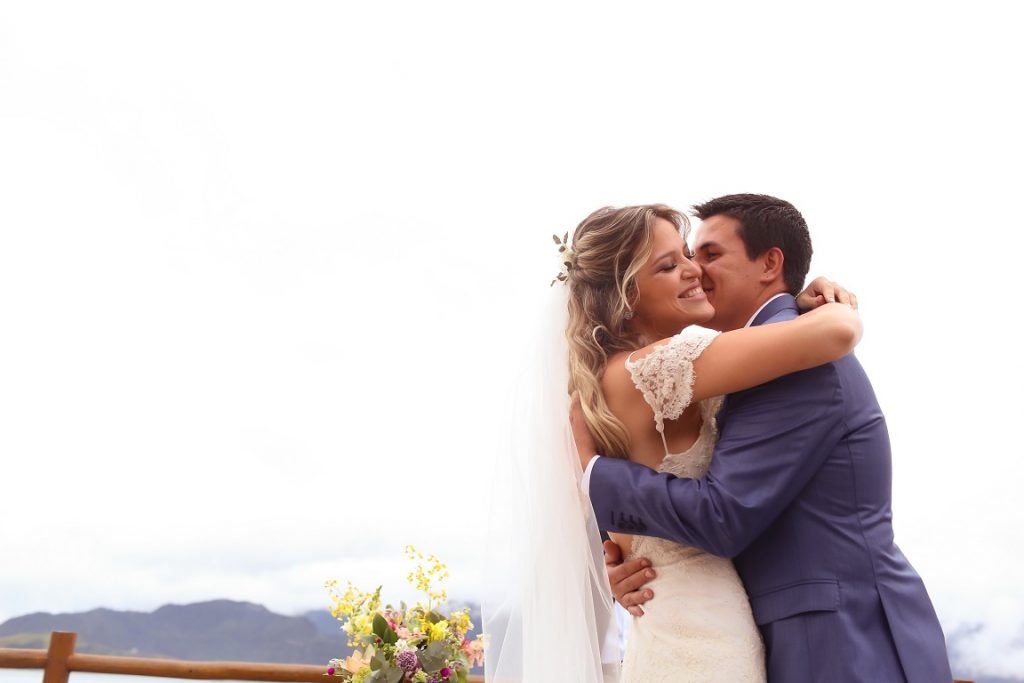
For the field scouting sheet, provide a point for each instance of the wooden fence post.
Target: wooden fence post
(62, 646)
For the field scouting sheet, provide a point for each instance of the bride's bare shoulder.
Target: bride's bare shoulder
(617, 382)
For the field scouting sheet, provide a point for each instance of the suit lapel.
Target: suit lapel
(771, 309)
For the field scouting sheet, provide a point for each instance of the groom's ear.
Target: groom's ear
(771, 265)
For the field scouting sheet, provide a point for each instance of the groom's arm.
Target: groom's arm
(774, 440)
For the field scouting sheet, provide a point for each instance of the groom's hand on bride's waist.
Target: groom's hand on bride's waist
(628, 578)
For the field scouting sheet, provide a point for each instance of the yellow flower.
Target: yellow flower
(438, 631)
(461, 621)
(429, 571)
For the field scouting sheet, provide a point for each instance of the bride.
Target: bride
(649, 385)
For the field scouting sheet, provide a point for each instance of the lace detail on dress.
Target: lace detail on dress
(665, 375)
(699, 628)
(693, 463)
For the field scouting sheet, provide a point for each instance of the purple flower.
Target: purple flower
(407, 661)
(330, 671)
(445, 672)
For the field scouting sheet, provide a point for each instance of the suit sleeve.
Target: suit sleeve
(776, 437)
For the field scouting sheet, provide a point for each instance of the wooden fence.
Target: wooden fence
(60, 661)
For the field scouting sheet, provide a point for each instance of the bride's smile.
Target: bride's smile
(695, 291)
(669, 295)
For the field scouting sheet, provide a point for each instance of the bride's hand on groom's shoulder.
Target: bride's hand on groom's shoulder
(628, 579)
(823, 291)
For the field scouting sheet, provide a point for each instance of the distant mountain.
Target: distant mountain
(236, 631)
(203, 631)
(215, 630)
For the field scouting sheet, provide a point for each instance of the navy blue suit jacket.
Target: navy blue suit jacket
(799, 494)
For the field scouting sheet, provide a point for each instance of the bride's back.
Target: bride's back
(627, 403)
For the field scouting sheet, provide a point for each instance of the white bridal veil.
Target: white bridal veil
(547, 606)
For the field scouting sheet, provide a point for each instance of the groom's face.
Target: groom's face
(731, 280)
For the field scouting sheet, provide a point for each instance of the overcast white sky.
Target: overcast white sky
(261, 263)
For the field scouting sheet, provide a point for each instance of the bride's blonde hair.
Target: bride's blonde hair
(608, 249)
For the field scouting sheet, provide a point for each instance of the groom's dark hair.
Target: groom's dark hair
(767, 222)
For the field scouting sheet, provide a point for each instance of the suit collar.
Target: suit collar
(774, 307)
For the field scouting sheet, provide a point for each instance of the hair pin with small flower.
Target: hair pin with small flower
(564, 258)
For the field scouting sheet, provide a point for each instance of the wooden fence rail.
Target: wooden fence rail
(60, 661)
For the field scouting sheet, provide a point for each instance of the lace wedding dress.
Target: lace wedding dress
(699, 626)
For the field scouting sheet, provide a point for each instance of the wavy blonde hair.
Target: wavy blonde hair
(609, 248)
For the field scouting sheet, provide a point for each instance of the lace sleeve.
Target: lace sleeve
(665, 376)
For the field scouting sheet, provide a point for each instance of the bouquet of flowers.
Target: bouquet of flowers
(405, 644)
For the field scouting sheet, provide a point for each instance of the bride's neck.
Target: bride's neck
(648, 337)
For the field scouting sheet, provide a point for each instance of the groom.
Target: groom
(799, 488)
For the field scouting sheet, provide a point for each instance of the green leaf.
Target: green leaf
(379, 661)
(433, 657)
(383, 631)
(385, 674)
